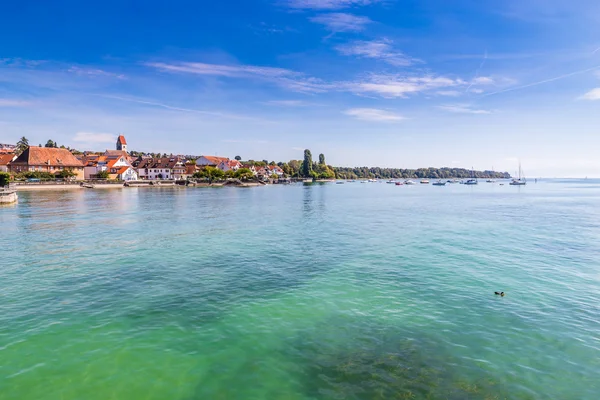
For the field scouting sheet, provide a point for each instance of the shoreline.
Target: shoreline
(46, 187)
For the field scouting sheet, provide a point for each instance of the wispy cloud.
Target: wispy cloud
(377, 49)
(327, 4)
(556, 78)
(92, 137)
(476, 91)
(593, 94)
(94, 73)
(13, 103)
(449, 93)
(292, 80)
(374, 114)
(391, 86)
(463, 109)
(342, 22)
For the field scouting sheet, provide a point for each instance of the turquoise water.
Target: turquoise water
(355, 291)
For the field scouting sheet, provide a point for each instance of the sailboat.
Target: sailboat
(472, 180)
(491, 180)
(520, 181)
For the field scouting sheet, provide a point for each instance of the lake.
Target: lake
(322, 291)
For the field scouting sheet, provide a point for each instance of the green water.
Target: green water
(355, 291)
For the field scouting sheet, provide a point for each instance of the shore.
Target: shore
(76, 186)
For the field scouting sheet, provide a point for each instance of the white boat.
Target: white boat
(472, 180)
(439, 183)
(425, 181)
(409, 182)
(520, 181)
(372, 180)
(490, 181)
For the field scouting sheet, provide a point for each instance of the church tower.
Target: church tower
(121, 143)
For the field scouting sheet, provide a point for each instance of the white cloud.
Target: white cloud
(289, 79)
(378, 49)
(328, 4)
(91, 137)
(391, 86)
(593, 94)
(342, 22)
(94, 73)
(373, 114)
(463, 109)
(476, 91)
(13, 103)
(449, 93)
(483, 80)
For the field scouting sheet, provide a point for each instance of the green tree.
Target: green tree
(50, 143)
(66, 174)
(307, 165)
(244, 174)
(4, 178)
(229, 174)
(210, 173)
(238, 158)
(103, 174)
(322, 159)
(22, 145)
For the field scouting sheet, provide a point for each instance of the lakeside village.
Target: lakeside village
(22, 164)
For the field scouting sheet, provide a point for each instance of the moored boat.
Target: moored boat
(439, 183)
(409, 182)
(520, 181)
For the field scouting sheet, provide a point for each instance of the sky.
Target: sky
(389, 83)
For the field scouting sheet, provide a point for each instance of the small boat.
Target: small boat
(490, 181)
(399, 183)
(409, 182)
(424, 181)
(520, 181)
(472, 180)
(87, 185)
(439, 183)
(372, 180)
(391, 181)
(452, 181)
(340, 182)
(364, 181)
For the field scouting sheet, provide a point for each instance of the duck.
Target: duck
(499, 293)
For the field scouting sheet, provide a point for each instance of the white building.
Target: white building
(210, 161)
(229, 165)
(162, 169)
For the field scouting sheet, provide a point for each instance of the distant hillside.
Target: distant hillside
(431, 173)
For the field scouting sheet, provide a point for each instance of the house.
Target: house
(161, 168)
(275, 169)
(229, 165)
(210, 161)
(47, 159)
(117, 165)
(7, 148)
(250, 167)
(5, 160)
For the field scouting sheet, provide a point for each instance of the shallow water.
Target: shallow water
(355, 291)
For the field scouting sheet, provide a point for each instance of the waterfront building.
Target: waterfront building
(5, 160)
(210, 161)
(169, 168)
(47, 159)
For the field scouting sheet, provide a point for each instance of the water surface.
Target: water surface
(355, 291)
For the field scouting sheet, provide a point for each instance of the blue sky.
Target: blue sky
(367, 82)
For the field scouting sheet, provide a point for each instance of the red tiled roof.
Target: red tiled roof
(122, 139)
(216, 160)
(48, 156)
(122, 170)
(6, 158)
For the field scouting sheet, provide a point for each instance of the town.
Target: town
(38, 164)
(24, 164)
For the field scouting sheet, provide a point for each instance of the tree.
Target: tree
(244, 174)
(210, 173)
(103, 174)
(229, 173)
(4, 179)
(307, 165)
(238, 158)
(66, 174)
(22, 145)
(50, 143)
(321, 159)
